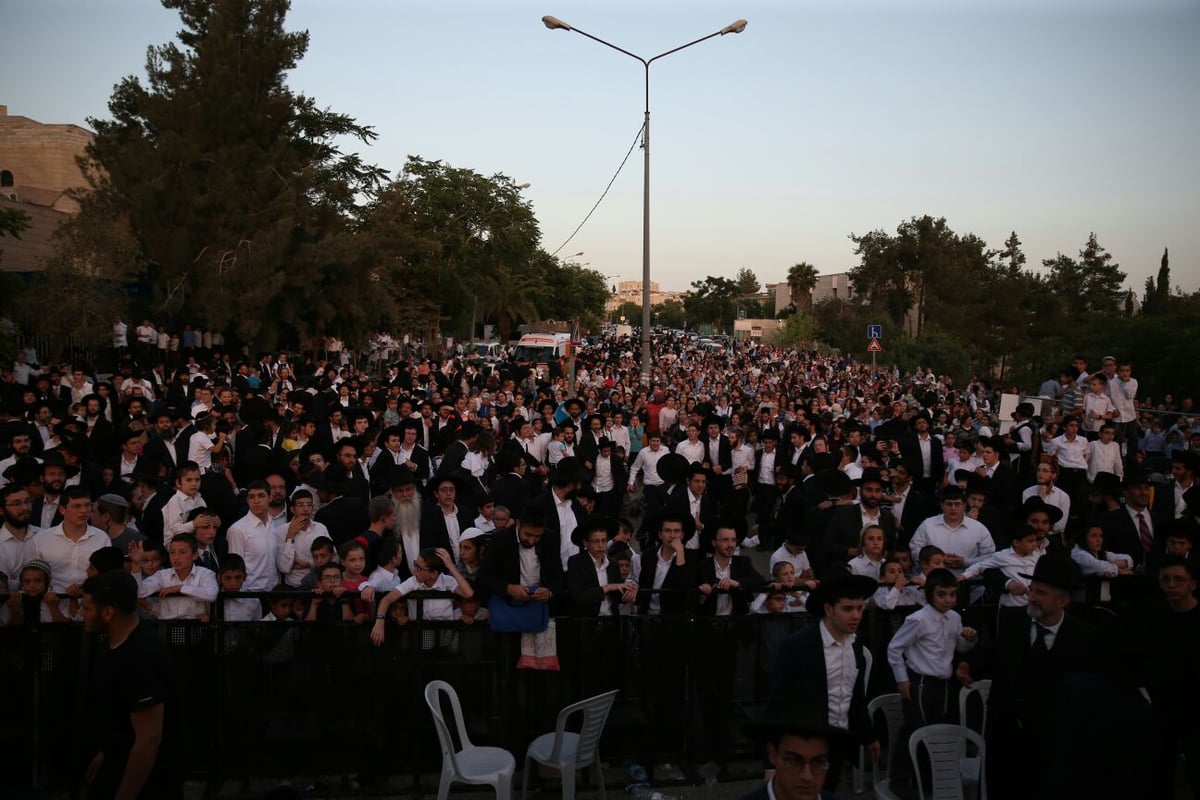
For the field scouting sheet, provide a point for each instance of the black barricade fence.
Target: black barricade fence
(296, 700)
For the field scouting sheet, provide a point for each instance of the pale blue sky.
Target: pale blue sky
(1051, 118)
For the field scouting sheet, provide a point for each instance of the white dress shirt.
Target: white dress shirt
(14, 553)
(199, 589)
(299, 547)
(68, 559)
(1071, 453)
(646, 462)
(970, 539)
(692, 451)
(566, 526)
(175, 515)
(1057, 498)
(841, 676)
(256, 542)
(926, 642)
(1013, 566)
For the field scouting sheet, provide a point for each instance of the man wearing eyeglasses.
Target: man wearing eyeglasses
(800, 744)
(16, 534)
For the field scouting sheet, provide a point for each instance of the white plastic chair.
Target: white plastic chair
(568, 752)
(892, 708)
(491, 766)
(860, 770)
(982, 688)
(950, 770)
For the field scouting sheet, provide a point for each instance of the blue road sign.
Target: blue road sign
(874, 331)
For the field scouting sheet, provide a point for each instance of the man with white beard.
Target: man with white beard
(407, 522)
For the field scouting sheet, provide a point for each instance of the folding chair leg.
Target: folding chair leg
(525, 778)
(599, 776)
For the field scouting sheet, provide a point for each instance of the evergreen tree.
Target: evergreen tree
(1101, 288)
(1164, 281)
(232, 184)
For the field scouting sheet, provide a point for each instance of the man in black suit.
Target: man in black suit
(399, 448)
(588, 446)
(727, 583)
(1002, 478)
(511, 489)
(345, 517)
(1133, 529)
(446, 518)
(347, 470)
(1033, 659)
(504, 574)
(910, 506)
(665, 585)
(843, 536)
(452, 457)
(694, 501)
(803, 668)
(924, 452)
(718, 458)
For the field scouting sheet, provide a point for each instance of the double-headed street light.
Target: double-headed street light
(553, 23)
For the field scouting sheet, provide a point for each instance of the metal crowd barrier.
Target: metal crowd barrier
(302, 700)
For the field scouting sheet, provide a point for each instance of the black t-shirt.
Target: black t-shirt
(137, 675)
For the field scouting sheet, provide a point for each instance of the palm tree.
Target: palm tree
(801, 280)
(508, 296)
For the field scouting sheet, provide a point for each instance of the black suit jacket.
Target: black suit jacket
(433, 524)
(678, 583)
(35, 513)
(162, 452)
(513, 492)
(452, 459)
(345, 517)
(1121, 534)
(680, 503)
(918, 507)
(800, 671)
(845, 531)
(723, 457)
(583, 587)
(501, 565)
(740, 570)
(910, 449)
(1004, 485)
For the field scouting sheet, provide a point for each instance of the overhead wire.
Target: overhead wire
(602, 194)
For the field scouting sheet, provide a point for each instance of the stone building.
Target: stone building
(37, 168)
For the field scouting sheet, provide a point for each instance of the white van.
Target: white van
(537, 350)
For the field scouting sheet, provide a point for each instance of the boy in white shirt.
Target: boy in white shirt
(185, 590)
(921, 654)
(433, 571)
(1012, 562)
(793, 551)
(896, 589)
(1097, 405)
(185, 500)
(1105, 455)
(233, 577)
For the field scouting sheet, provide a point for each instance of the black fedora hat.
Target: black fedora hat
(1107, 483)
(610, 525)
(568, 470)
(870, 475)
(54, 458)
(672, 468)
(789, 713)
(1035, 503)
(1056, 571)
(1135, 476)
(839, 586)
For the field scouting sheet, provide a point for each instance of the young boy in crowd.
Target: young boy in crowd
(1012, 561)
(322, 551)
(434, 571)
(896, 590)
(34, 594)
(793, 550)
(232, 578)
(333, 605)
(185, 590)
(185, 500)
(921, 654)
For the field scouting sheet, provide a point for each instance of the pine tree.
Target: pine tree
(232, 183)
(1102, 279)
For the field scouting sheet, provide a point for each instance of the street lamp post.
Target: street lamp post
(553, 23)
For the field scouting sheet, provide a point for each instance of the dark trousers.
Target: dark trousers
(933, 702)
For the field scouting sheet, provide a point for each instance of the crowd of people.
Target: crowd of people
(203, 475)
